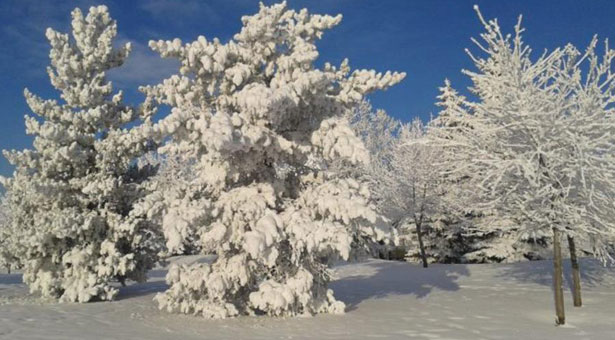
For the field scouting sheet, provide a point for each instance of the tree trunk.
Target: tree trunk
(419, 234)
(8, 268)
(576, 273)
(557, 279)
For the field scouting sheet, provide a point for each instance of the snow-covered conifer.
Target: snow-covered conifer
(7, 238)
(72, 195)
(260, 119)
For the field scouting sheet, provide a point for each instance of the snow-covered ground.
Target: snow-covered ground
(391, 300)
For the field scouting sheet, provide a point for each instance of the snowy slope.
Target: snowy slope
(391, 300)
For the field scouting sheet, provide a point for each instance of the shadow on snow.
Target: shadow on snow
(10, 279)
(397, 278)
(145, 288)
(593, 273)
(390, 278)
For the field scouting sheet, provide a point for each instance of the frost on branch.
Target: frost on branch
(537, 146)
(71, 196)
(259, 120)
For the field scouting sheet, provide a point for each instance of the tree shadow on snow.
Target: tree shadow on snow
(141, 289)
(157, 274)
(397, 278)
(10, 279)
(593, 273)
(155, 284)
(130, 291)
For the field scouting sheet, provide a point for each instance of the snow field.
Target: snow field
(387, 300)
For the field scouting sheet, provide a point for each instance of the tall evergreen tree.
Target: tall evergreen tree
(72, 195)
(261, 119)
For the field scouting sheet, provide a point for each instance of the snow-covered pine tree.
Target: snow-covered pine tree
(453, 106)
(71, 197)
(538, 144)
(260, 119)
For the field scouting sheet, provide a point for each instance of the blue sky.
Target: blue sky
(425, 39)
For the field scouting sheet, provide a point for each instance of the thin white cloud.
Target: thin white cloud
(143, 67)
(30, 46)
(27, 37)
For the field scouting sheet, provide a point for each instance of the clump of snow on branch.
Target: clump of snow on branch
(259, 120)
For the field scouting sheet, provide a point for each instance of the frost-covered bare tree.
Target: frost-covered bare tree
(475, 235)
(411, 188)
(378, 131)
(72, 195)
(538, 144)
(259, 118)
(389, 174)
